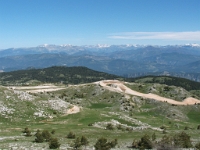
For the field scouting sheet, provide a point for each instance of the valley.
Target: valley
(122, 60)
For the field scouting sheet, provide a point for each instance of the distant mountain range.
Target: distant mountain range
(123, 60)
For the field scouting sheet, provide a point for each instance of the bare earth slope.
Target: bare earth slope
(37, 89)
(118, 86)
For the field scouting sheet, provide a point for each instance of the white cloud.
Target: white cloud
(191, 36)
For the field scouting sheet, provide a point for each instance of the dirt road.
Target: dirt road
(118, 86)
(38, 89)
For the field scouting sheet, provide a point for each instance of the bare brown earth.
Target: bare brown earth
(73, 110)
(118, 86)
(38, 89)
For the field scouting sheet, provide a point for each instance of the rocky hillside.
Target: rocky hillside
(93, 110)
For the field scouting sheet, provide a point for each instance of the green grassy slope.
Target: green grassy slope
(131, 116)
(98, 108)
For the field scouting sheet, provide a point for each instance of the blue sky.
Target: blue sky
(27, 23)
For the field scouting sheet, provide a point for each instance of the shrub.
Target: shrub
(90, 124)
(164, 131)
(53, 131)
(53, 143)
(46, 135)
(145, 143)
(182, 140)
(153, 136)
(197, 145)
(71, 135)
(163, 127)
(84, 141)
(103, 144)
(165, 143)
(119, 127)
(109, 126)
(27, 132)
(135, 144)
(77, 143)
(39, 138)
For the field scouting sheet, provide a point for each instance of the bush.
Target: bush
(197, 145)
(77, 143)
(163, 127)
(103, 144)
(71, 135)
(109, 127)
(27, 132)
(119, 127)
(164, 131)
(39, 138)
(165, 143)
(153, 136)
(53, 143)
(145, 143)
(46, 135)
(182, 140)
(90, 124)
(84, 141)
(135, 144)
(53, 131)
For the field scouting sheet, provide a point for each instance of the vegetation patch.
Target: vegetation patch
(40, 120)
(194, 116)
(100, 105)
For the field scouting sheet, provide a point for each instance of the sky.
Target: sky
(29, 23)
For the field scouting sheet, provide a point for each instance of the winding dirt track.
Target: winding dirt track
(118, 86)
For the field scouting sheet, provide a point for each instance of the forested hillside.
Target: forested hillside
(168, 80)
(66, 75)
